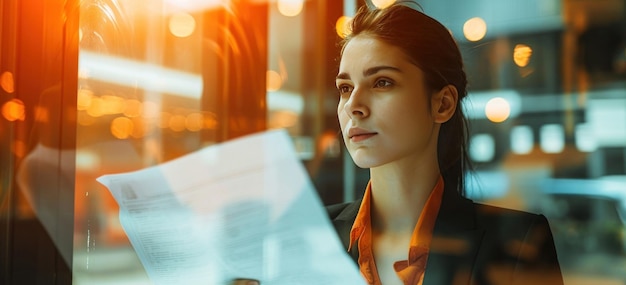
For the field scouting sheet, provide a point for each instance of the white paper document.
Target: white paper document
(244, 208)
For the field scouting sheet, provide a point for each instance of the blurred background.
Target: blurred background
(93, 87)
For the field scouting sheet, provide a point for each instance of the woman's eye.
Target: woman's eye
(382, 83)
(344, 89)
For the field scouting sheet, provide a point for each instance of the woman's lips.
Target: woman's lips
(357, 134)
(361, 137)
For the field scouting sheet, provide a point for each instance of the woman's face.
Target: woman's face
(384, 110)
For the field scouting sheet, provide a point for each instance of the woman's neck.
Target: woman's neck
(399, 194)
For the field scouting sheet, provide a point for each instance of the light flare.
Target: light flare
(497, 110)
(290, 8)
(475, 29)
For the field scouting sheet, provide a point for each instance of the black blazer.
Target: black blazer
(477, 244)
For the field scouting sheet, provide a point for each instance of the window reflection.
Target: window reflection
(161, 78)
(544, 102)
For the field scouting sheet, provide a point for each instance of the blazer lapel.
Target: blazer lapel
(455, 245)
(456, 241)
(343, 224)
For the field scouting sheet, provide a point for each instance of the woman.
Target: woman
(400, 82)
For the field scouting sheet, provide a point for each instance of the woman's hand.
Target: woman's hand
(240, 281)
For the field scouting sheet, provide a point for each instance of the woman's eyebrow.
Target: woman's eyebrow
(373, 70)
(370, 71)
(343, 75)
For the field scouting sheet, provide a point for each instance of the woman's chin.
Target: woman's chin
(366, 158)
(365, 163)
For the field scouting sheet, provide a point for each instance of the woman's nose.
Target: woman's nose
(356, 106)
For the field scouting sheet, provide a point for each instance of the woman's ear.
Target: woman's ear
(444, 103)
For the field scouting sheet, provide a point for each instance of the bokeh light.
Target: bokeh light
(83, 100)
(210, 120)
(121, 127)
(182, 25)
(342, 26)
(113, 104)
(522, 139)
(522, 54)
(133, 108)
(274, 80)
(382, 3)
(585, 138)
(290, 8)
(482, 148)
(177, 123)
(497, 110)
(194, 122)
(96, 108)
(7, 81)
(552, 138)
(14, 110)
(475, 29)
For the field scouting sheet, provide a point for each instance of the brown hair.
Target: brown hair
(431, 47)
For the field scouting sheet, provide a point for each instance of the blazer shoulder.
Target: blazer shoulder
(518, 231)
(485, 211)
(346, 210)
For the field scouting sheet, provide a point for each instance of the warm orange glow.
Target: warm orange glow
(14, 110)
(139, 128)
(210, 121)
(41, 114)
(133, 108)
(382, 3)
(85, 120)
(83, 101)
(475, 29)
(96, 108)
(522, 54)
(329, 144)
(283, 119)
(342, 26)
(290, 8)
(121, 127)
(165, 120)
(113, 104)
(497, 110)
(191, 5)
(150, 109)
(7, 82)
(274, 81)
(182, 25)
(177, 123)
(194, 122)
(19, 148)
